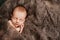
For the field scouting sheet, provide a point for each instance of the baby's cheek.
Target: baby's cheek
(21, 22)
(14, 21)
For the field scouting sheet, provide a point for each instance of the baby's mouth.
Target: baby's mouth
(17, 26)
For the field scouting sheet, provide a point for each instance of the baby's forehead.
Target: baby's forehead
(18, 13)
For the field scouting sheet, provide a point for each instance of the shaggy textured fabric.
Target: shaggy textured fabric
(42, 22)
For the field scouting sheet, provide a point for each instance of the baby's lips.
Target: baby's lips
(17, 26)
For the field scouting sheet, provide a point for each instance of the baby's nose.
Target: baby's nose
(17, 20)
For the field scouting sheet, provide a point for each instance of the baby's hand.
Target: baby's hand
(21, 28)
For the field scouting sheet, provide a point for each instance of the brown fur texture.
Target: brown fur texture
(42, 22)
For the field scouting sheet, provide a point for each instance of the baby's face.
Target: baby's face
(18, 18)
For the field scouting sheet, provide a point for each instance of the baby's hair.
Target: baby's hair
(18, 7)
